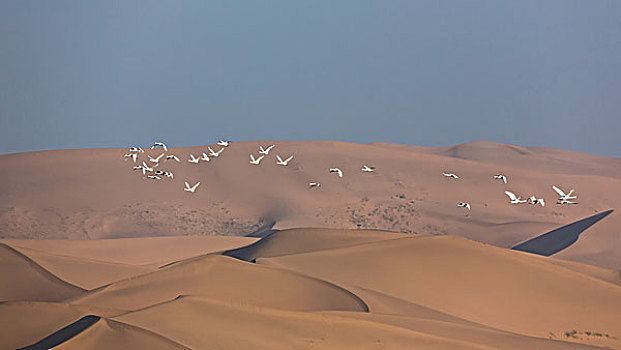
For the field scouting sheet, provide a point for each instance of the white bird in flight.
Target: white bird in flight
(501, 177)
(534, 201)
(159, 144)
(562, 194)
(314, 184)
(514, 199)
(172, 157)
(146, 168)
(154, 177)
(191, 189)
(257, 160)
(204, 157)
(464, 205)
(336, 170)
(279, 160)
(451, 175)
(214, 153)
(155, 160)
(136, 149)
(367, 169)
(223, 143)
(194, 159)
(133, 156)
(265, 151)
(564, 201)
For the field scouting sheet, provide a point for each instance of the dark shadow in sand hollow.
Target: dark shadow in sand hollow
(560, 238)
(63, 334)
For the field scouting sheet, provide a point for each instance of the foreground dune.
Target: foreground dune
(25, 323)
(330, 289)
(226, 279)
(80, 272)
(471, 281)
(109, 334)
(205, 323)
(23, 279)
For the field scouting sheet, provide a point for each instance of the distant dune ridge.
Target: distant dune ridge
(372, 260)
(94, 194)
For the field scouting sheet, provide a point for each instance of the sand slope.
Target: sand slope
(304, 240)
(330, 289)
(25, 323)
(134, 251)
(500, 288)
(207, 324)
(109, 334)
(23, 279)
(226, 279)
(84, 273)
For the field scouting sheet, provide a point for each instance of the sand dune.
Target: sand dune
(335, 289)
(204, 323)
(25, 323)
(228, 279)
(544, 298)
(406, 194)
(134, 251)
(304, 240)
(23, 279)
(109, 334)
(96, 257)
(80, 272)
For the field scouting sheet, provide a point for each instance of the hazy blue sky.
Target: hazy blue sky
(120, 73)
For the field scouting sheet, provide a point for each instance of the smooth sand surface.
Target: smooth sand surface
(51, 194)
(108, 334)
(84, 273)
(330, 289)
(130, 251)
(228, 279)
(23, 279)
(471, 281)
(25, 323)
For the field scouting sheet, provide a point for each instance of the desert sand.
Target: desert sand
(96, 257)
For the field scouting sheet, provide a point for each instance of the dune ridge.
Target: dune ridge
(24, 279)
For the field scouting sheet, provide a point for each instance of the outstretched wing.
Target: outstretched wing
(559, 191)
(511, 195)
(195, 186)
(279, 159)
(288, 159)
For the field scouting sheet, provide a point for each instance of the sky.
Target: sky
(84, 74)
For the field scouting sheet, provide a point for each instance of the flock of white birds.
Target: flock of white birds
(149, 171)
(564, 198)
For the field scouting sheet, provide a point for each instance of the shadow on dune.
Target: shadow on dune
(558, 239)
(63, 334)
(263, 231)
